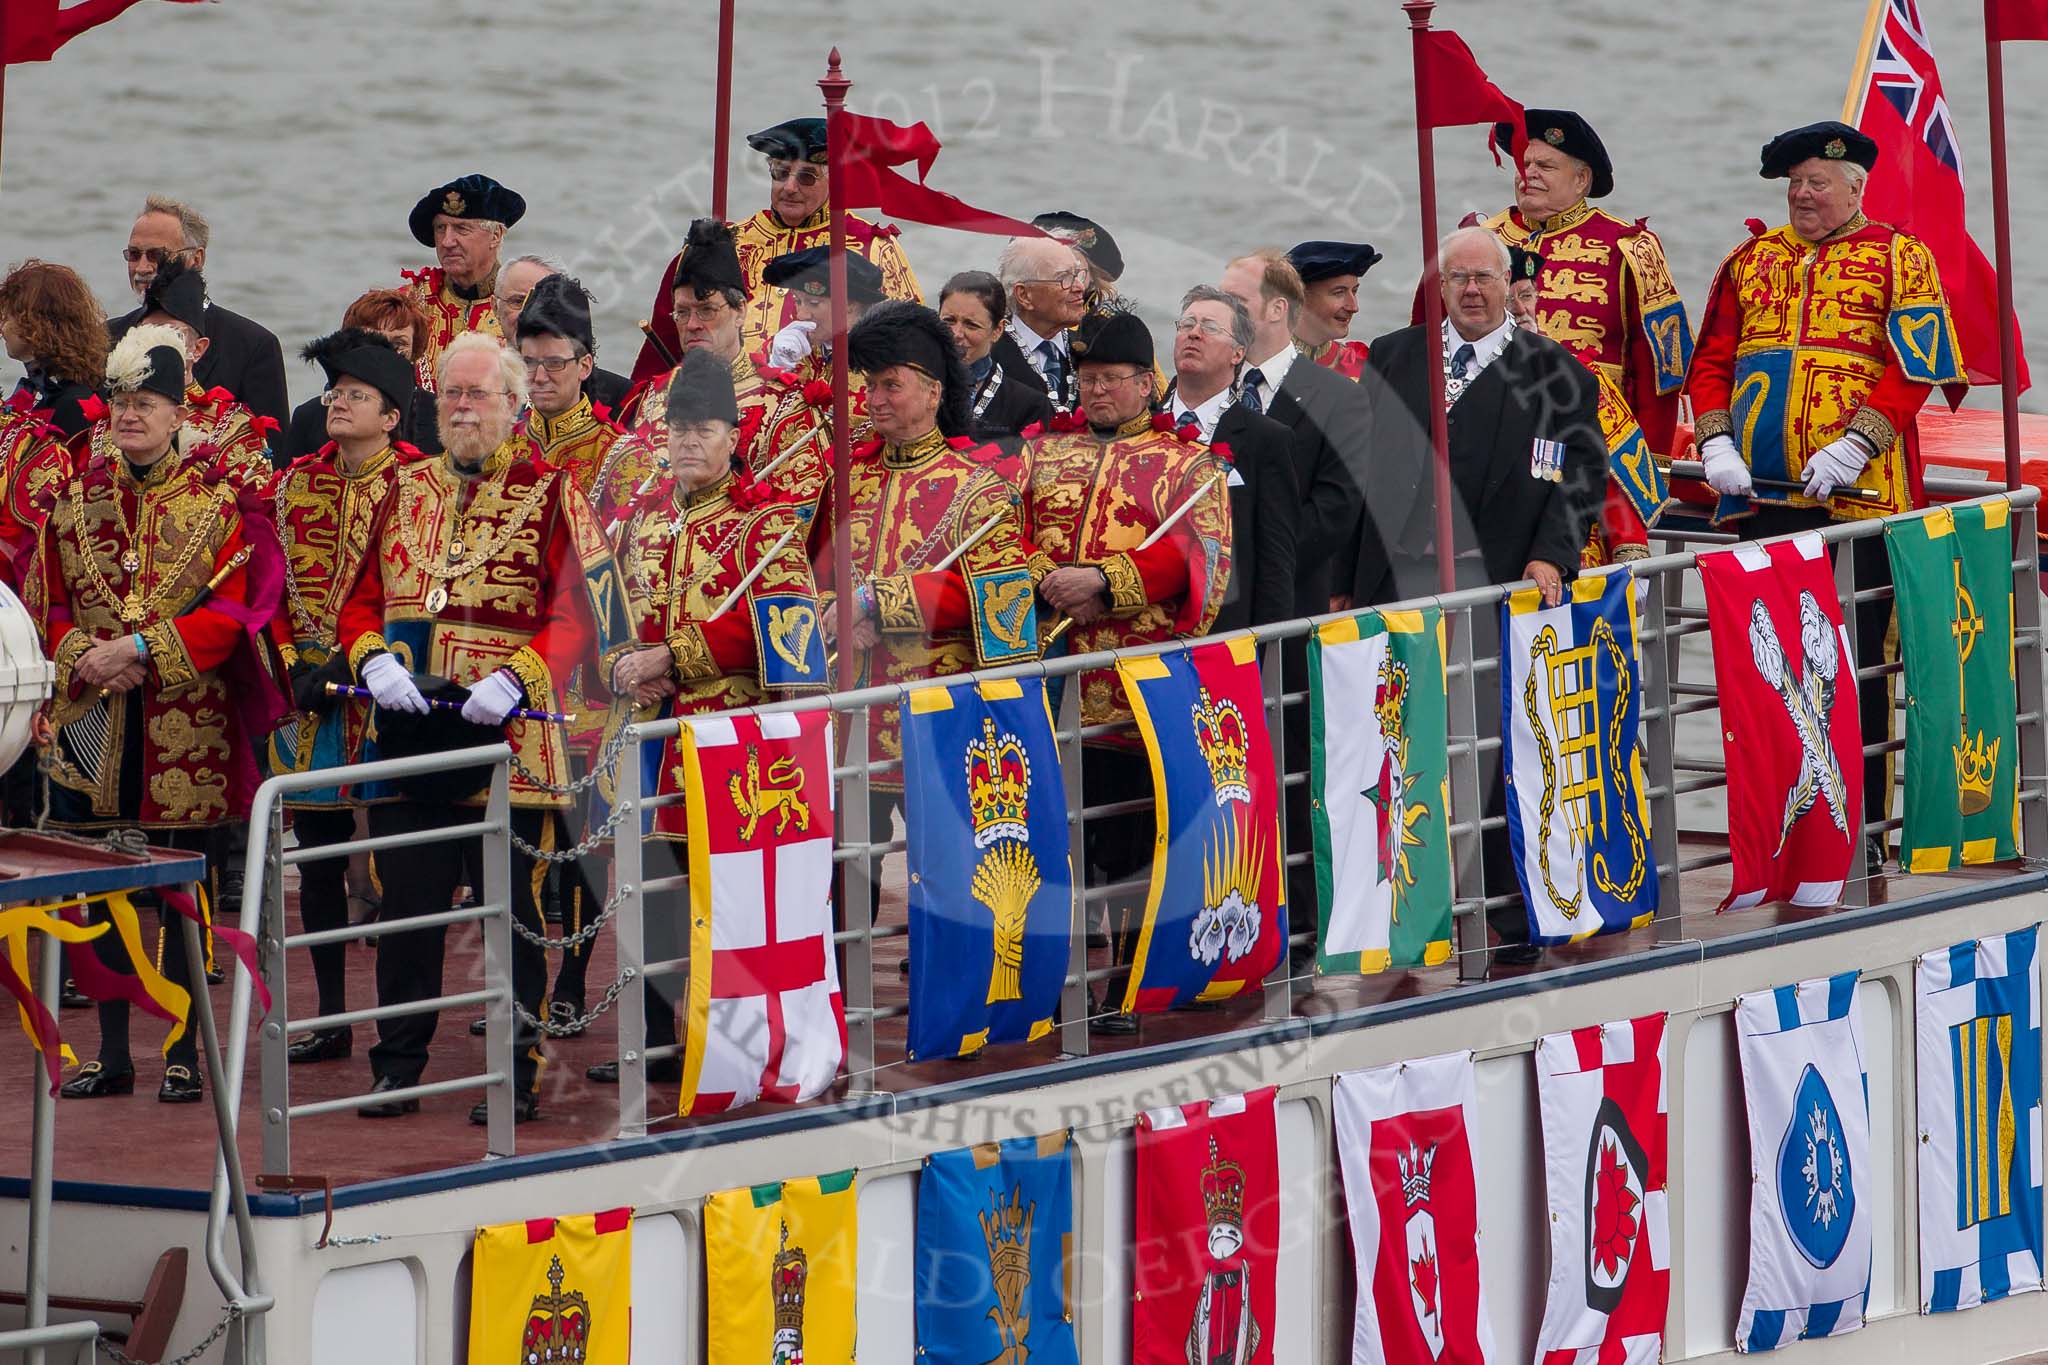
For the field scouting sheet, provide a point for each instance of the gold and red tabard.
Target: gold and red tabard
(34, 461)
(125, 556)
(1092, 500)
(779, 417)
(912, 505)
(450, 313)
(1803, 343)
(763, 237)
(682, 555)
(1345, 357)
(325, 517)
(220, 427)
(578, 442)
(502, 569)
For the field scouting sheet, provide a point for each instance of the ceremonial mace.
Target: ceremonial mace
(443, 704)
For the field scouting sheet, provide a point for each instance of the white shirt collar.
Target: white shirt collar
(1484, 350)
(1208, 413)
(1273, 372)
(1028, 340)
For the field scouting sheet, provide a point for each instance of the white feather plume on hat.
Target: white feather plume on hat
(128, 367)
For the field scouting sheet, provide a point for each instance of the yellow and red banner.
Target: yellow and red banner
(779, 1263)
(553, 1289)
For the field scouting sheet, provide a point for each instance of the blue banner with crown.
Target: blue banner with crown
(991, 886)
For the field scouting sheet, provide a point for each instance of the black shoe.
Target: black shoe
(216, 975)
(566, 1016)
(181, 1086)
(1517, 955)
(668, 1070)
(389, 1109)
(325, 1046)
(903, 967)
(479, 1027)
(1876, 852)
(72, 998)
(95, 1080)
(1117, 1025)
(525, 1109)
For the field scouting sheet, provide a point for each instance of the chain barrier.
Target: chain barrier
(606, 760)
(569, 942)
(569, 855)
(575, 1026)
(121, 1357)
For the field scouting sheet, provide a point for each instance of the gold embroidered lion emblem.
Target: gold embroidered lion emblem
(781, 795)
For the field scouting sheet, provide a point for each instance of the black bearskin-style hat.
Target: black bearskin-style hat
(179, 292)
(473, 196)
(799, 139)
(1830, 141)
(810, 272)
(1570, 134)
(557, 306)
(1085, 235)
(903, 333)
(401, 734)
(1523, 264)
(149, 358)
(1113, 336)
(369, 356)
(709, 260)
(701, 392)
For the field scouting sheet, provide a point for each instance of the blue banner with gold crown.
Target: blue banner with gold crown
(991, 886)
(995, 1228)
(1215, 914)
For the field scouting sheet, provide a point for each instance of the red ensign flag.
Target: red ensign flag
(2015, 21)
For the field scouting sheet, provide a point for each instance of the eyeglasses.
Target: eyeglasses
(472, 395)
(353, 398)
(553, 364)
(703, 312)
(131, 402)
(1066, 279)
(155, 255)
(510, 301)
(1460, 278)
(806, 176)
(1099, 380)
(1208, 327)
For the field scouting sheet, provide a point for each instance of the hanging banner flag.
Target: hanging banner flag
(995, 1231)
(553, 1289)
(1787, 683)
(1578, 812)
(779, 1263)
(1804, 1083)
(765, 1018)
(1208, 1232)
(1953, 572)
(1978, 1022)
(991, 886)
(1215, 917)
(1605, 1124)
(1411, 1189)
(1380, 769)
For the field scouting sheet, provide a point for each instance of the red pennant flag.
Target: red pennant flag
(2017, 21)
(1453, 91)
(1787, 680)
(1917, 186)
(874, 145)
(1208, 1232)
(33, 30)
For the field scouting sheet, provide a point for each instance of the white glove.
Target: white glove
(791, 344)
(1726, 473)
(491, 699)
(392, 686)
(1834, 465)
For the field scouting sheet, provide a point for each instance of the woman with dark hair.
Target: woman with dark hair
(972, 307)
(55, 327)
(396, 316)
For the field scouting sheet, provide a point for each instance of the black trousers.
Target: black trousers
(578, 889)
(175, 964)
(1118, 848)
(323, 897)
(1872, 568)
(665, 931)
(421, 880)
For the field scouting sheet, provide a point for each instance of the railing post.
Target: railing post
(859, 902)
(499, 1044)
(1660, 671)
(629, 857)
(1074, 995)
(2029, 674)
(275, 1065)
(1857, 891)
(1281, 989)
(43, 1149)
(1467, 806)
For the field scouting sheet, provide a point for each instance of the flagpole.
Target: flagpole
(1859, 79)
(835, 85)
(721, 154)
(2001, 228)
(1418, 12)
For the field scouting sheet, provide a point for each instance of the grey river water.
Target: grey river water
(306, 130)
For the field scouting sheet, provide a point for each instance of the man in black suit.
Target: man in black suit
(1047, 284)
(1528, 464)
(1209, 343)
(242, 356)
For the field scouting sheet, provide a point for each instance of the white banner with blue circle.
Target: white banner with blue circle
(1803, 1083)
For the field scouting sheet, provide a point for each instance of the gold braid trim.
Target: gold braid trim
(1874, 427)
(1719, 422)
(1040, 563)
(693, 661)
(289, 654)
(896, 608)
(1126, 588)
(360, 652)
(68, 652)
(167, 655)
(1622, 553)
(609, 660)
(534, 675)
